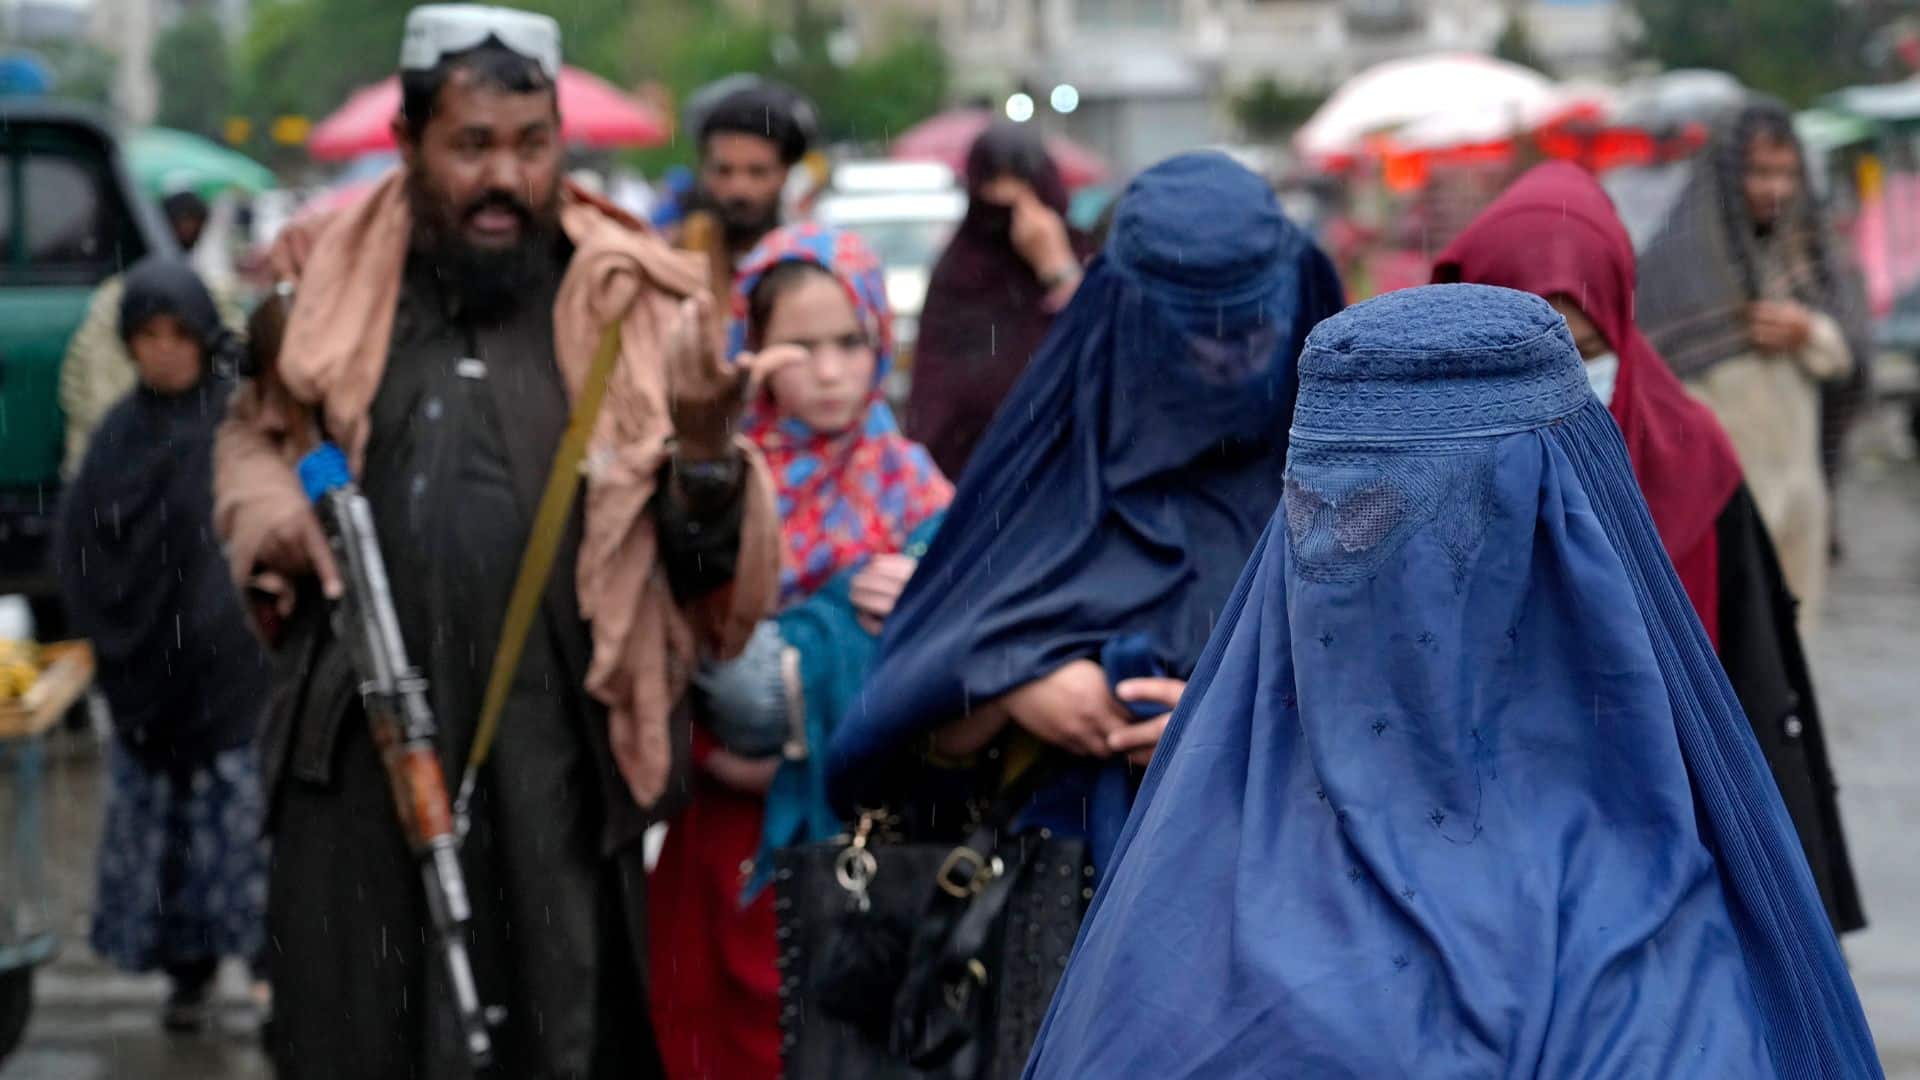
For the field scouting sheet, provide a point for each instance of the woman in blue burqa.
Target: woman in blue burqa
(1102, 519)
(1459, 789)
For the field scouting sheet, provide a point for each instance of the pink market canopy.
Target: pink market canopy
(593, 115)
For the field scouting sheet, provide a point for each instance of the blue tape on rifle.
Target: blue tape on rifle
(324, 469)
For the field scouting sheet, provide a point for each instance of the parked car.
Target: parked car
(70, 217)
(906, 211)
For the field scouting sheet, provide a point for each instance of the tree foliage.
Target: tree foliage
(82, 71)
(1794, 49)
(1515, 45)
(195, 75)
(1268, 110)
(865, 98)
(305, 57)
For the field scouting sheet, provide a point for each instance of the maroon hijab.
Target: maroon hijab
(1555, 232)
(984, 313)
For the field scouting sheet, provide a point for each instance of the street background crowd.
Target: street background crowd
(890, 243)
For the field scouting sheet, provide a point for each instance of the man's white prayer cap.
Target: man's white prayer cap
(436, 31)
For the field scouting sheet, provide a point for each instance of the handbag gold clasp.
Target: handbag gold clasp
(980, 870)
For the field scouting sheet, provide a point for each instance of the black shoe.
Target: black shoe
(189, 1009)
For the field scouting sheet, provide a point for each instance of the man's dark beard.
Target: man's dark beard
(742, 223)
(480, 279)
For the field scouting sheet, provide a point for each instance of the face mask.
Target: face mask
(1602, 370)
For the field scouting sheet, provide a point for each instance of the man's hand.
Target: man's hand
(1070, 708)
(708, 395)
(1778, 326)
(704, 396)
(1138, 740)
(295, 546)
(877, 588)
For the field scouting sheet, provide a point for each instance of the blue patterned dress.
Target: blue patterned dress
(183, 866)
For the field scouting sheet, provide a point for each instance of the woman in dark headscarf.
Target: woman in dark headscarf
(1555, 234)
(182, 866)
(1111, 504)
(1740, 295)
(1458, 789)
(1010, 267)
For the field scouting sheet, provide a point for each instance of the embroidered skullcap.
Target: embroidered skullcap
(437, 31)
(1437, 361)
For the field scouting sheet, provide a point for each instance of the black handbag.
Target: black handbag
(925, 961)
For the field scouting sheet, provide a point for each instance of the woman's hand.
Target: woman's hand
(1139, 739)
(751, 775)
(877, 588)
(1071, 708)
(1040, 236)
(763, 365)
(1778, 325)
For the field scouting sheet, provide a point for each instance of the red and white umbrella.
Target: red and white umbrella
(593, 114)
(1451, 98)
(1560, 104)
(948, 136)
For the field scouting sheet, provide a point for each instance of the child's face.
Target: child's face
(828, 392)
(168, 357)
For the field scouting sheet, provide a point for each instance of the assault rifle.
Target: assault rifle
(395, 694)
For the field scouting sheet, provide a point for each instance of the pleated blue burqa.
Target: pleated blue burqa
(1458, 789)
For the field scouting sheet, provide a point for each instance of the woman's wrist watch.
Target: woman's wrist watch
(704, 482)
(1070, 271)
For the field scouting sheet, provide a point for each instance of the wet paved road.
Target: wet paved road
(91, 1023)
(1867, 667)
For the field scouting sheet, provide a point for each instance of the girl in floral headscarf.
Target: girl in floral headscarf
(853, 493)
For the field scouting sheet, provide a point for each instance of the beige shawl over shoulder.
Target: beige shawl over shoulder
(335, 351)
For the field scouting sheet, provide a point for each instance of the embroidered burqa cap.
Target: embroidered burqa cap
(1458, 788)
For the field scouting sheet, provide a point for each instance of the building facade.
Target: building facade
(1150, 76)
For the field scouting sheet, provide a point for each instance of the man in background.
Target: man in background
(750, 141)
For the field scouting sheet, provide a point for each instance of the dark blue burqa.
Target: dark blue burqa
(1122, 484)
(1459, 789)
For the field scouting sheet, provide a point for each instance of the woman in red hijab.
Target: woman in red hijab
(1556, 234)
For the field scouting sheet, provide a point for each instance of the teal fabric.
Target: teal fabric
(835, 654)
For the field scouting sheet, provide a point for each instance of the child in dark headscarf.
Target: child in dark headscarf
(182, 867)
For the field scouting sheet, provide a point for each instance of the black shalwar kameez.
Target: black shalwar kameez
(464, 427)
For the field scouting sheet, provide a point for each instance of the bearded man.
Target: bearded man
(439, 333)
(749, 143)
